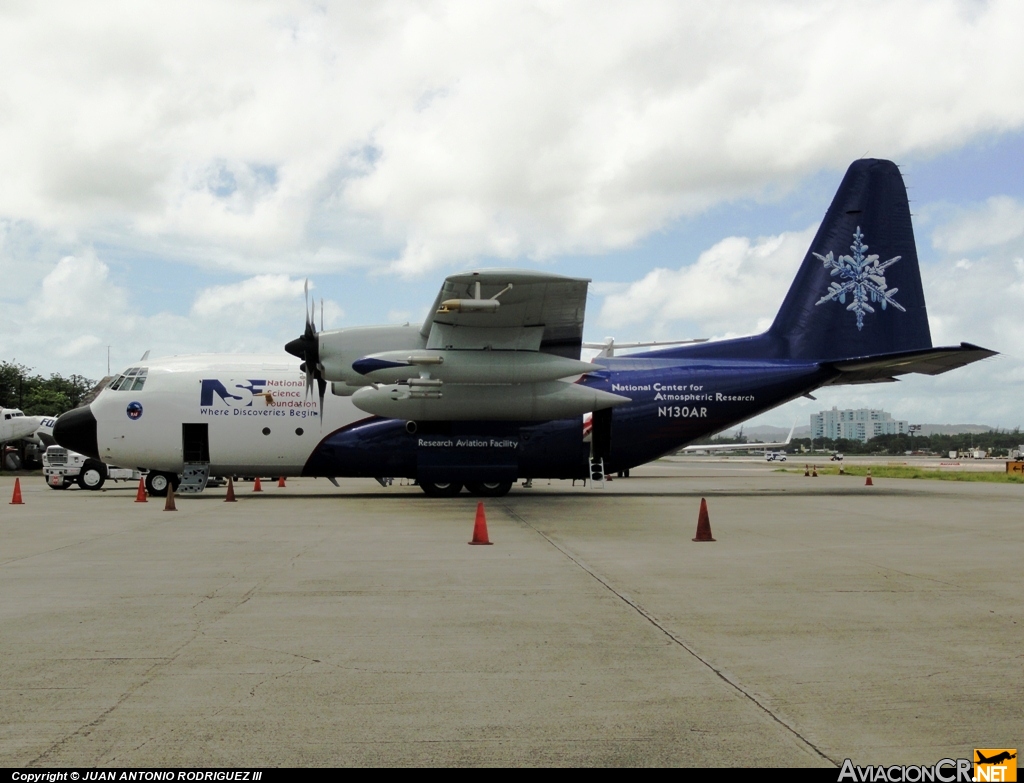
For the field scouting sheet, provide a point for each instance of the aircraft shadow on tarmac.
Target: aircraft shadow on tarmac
(578, 494)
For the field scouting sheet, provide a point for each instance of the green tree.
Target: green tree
(39, 396)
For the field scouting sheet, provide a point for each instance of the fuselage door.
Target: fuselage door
(195, 442)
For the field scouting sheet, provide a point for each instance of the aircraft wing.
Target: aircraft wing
(931, 361)
(534, 311)
(742, 446)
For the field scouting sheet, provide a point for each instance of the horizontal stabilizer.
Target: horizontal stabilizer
(932, 361)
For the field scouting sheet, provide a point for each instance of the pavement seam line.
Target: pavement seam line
(657, 624)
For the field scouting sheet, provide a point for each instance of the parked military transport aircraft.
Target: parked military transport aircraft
(491, 388)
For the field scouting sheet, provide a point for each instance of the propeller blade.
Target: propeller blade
(307, 347)
(305, 298)
(322, 388)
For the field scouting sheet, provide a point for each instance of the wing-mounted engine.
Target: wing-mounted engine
(497, 344)
(340, 349)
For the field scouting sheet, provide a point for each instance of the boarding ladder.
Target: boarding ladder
(194, 478)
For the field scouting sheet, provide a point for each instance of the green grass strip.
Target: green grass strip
(907, 472)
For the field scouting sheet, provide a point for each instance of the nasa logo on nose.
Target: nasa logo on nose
(134, 411)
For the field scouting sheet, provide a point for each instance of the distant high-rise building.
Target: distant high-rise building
(861, 424)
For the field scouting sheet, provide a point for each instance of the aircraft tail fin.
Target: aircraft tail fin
(858, 292)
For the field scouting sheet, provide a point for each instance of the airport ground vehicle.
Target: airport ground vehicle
(62, 468)
(491, 388)
(775, 456)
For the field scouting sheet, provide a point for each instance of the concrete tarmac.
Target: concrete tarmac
(316, 626)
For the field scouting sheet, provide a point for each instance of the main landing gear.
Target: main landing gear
(157, 483)
(449, 489)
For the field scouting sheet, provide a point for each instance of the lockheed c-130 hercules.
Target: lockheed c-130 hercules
(491, 388)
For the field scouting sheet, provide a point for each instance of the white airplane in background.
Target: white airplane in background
(719, 447)
(491, 388)
(15, 425)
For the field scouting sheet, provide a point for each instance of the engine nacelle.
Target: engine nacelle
(339, 348)
(497, 367)
(457, 402)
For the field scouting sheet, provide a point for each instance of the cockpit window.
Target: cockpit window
(132, 380)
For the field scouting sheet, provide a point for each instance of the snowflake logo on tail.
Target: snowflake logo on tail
(863, 279)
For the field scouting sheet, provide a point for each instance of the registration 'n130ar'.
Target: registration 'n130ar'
(676, 412)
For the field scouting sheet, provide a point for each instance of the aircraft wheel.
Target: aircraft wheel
(489, 489)
(93, 475)
(156, 483)
(441, 489)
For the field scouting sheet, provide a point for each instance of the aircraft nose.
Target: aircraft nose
(76, 430)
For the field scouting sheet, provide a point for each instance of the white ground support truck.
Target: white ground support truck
(62, 468)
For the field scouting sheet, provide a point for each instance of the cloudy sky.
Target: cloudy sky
(171, 173)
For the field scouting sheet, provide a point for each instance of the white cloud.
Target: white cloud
(249, 299)
(79, 292)
(734, 288)
(79, 309)
(282, 134)
(998, 221)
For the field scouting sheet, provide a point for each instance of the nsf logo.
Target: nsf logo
(134, 411)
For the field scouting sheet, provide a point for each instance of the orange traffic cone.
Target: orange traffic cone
(480, 526)
(231, 492)
(140, 496)
(169, 504)
(703, 523)
(280, 482)
(814, 471)
(16, 497)
(807, 471)
(257, 487)
(868, 482)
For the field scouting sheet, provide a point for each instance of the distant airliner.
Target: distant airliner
(491, 387)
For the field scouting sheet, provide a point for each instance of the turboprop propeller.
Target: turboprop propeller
(307, 348)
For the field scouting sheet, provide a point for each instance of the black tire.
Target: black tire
(489, 489)
(441, 489)
(93, 475)
(157, 481)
